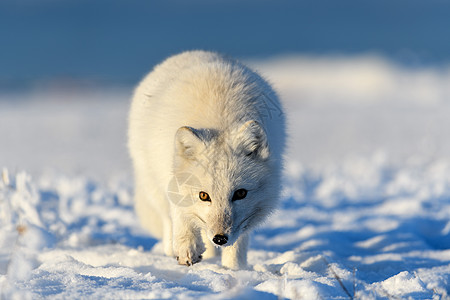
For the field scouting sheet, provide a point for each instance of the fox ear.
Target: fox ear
(188, 142)
(253, 139)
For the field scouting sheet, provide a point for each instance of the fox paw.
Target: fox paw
(187, 261)
(190, 256)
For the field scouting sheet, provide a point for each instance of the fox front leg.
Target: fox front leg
(188, 245)
(235, 256)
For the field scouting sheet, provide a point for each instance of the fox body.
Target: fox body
(206, 137)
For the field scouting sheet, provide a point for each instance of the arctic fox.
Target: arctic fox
(206, 137)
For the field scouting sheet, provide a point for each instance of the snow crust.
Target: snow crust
(365, 210)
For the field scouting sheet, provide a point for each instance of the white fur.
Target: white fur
(200, 113)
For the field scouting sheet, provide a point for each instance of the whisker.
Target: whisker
(199, 218)
(249, 217)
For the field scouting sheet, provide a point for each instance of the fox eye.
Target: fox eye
(239, 194)
(204, 196)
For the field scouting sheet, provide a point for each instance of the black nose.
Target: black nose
(220, 239)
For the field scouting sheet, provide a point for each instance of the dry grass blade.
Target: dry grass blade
(338, 279)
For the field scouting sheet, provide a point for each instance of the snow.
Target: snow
(365, 209)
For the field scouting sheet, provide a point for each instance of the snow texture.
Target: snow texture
(365, 211)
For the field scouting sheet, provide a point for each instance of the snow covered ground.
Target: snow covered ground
(365, 211)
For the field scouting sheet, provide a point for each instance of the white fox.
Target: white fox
(206, 136)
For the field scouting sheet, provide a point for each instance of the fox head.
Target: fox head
(235, 187)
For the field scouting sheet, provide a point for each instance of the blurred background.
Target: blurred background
(358, 78)
(110, 42)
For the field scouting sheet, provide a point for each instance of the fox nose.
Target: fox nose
(220, 239)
